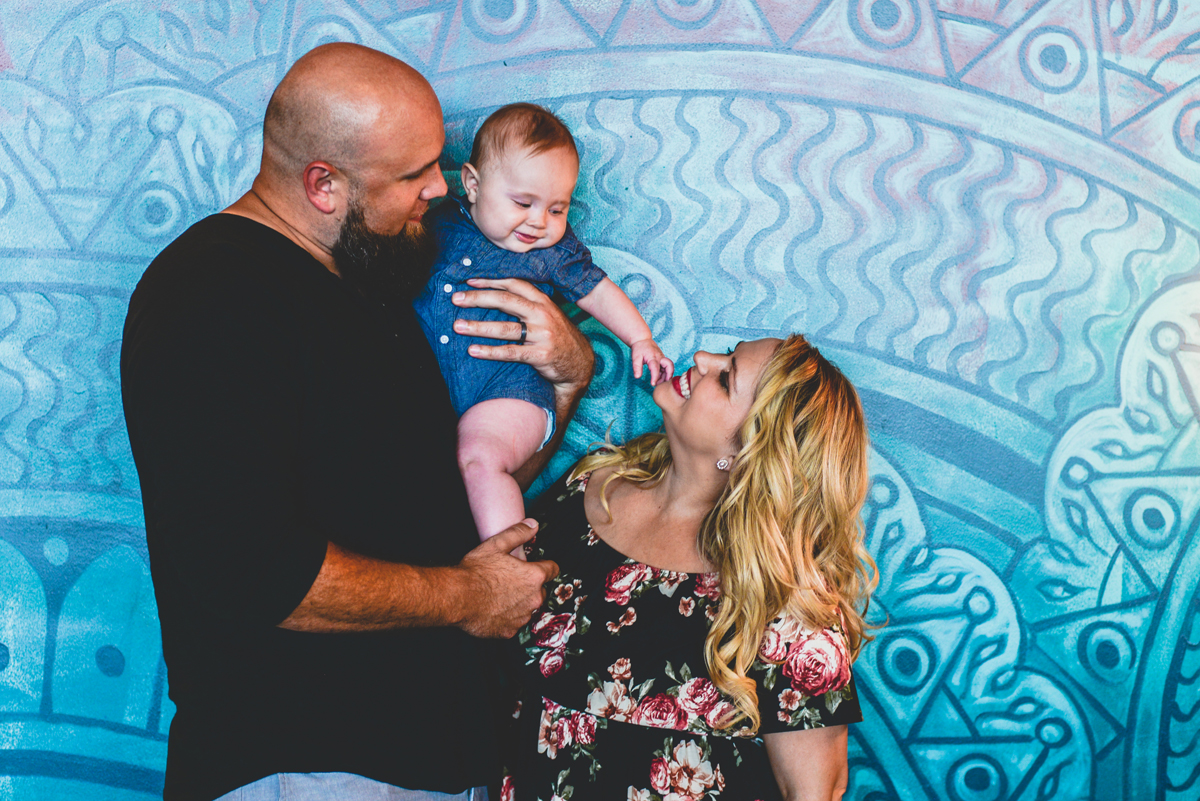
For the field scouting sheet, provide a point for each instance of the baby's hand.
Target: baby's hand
(661, 368)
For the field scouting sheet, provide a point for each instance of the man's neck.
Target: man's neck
(253, 206)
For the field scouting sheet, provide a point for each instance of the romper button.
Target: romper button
(443, 339)
(466, 262)
(448, 288)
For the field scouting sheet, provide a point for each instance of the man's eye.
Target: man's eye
(723, 380)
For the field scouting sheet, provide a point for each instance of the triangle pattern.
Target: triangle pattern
(943, 719)
(786, 17)
(965, 41)
(597, 16)
(709, 22)
(1103, 651)
(1048, 62)
(1151, 521)
(902, 34)
(418, 34)
(80, 211)
(28, 213)
(154, 207)
(995, 769)
(534, 28)
(914, 657)
(1099, 717)
(1122, 582)
(1179, 114)
(1126, 96)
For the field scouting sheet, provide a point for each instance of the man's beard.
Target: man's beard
(384, 266)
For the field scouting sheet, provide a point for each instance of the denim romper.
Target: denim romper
(464, 252)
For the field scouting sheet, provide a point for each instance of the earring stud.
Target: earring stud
(722, 464)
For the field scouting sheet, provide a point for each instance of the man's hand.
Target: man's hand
(553, 345)
(503, 592)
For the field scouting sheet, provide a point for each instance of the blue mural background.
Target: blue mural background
(986, 211)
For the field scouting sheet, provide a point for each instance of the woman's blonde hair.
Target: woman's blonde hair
(785, 533)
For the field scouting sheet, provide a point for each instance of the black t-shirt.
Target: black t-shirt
(272, 409)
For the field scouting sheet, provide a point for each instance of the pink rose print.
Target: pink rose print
(660, 711)
(719, 715)
(690, 776)
(585, 727)
(621, 670)
(553, 631)
(549, 735)
(697, 696)
(784, 716)
(621, 582)
(720, 778)
(818, 664)
(564, 732)
(773, 648)
(708, 585)
(592, 539)
(563, 593)
(710, 611)
(790, 700)
(660, 776)
(789, 629)
(552, 661)
(507, 790)
(635, 794)
(687, 606)
(611, 701)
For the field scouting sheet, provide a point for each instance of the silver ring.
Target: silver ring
(524, 333)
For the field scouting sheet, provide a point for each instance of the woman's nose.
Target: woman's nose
(704, 361)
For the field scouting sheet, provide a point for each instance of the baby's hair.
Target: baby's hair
(520, 125)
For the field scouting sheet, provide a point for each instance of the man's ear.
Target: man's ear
(470, 181)
(324, 187)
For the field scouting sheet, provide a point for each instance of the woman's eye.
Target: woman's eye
(723, 380)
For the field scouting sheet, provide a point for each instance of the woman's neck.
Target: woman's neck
(659, 525)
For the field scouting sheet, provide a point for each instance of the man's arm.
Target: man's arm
(488, 594)
(553, 346)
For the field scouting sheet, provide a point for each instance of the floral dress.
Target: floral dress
(616, 700)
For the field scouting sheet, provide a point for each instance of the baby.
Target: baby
(513, 224)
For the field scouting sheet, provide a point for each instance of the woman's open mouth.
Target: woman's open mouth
(683, 383)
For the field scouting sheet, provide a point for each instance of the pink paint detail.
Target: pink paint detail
(5, 61)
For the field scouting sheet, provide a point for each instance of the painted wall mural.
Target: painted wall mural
(986, 211)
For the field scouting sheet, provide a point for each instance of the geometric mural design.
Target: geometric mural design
(987, 213)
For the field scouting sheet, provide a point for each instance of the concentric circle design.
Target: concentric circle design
(165, 121)
(977, 777)
(906, 661)
(885, 24)
(1167, 338)
(687, 13)
(156, 212)
(1053, 59)
(1187, 131)
(1107, 651)
(1152, 518)
(1076, 473)
(498, 20)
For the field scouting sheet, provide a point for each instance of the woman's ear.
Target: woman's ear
(470, 182)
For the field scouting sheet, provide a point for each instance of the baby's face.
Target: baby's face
(519, 200)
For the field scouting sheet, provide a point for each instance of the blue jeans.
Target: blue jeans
(338, 787)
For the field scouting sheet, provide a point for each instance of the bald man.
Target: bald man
(318, 577)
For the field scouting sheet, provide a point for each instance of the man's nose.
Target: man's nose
(436, 188)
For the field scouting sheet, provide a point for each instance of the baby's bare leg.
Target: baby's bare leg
(494, 439)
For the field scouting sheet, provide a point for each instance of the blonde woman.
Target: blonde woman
(698, 639)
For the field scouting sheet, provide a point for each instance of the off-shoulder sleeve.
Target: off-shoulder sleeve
(804, 678)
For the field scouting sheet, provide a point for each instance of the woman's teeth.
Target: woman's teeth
(685, 384)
